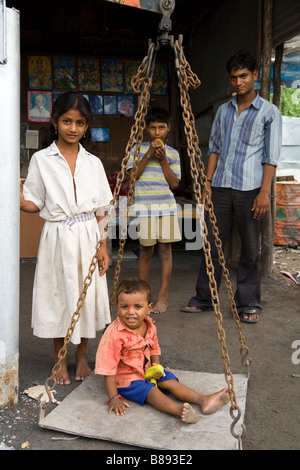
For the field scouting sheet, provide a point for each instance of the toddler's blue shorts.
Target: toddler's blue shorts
(139, 389)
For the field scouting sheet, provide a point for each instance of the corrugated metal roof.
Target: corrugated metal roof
(286, 20)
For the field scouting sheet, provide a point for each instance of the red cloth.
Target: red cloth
(123, 352)
(112, 180)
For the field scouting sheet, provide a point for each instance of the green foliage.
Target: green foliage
(290, 101)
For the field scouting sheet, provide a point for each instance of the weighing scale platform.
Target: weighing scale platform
(85, 413)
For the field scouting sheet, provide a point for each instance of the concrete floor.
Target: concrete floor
(189, 342)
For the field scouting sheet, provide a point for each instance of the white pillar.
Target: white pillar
(9, 204)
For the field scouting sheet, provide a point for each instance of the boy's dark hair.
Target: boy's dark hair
(132, 285)
(241, 60)
(63, 104)
(158, 115)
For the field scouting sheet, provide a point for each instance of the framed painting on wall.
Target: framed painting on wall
(39, 106)
(110, 104)
(130, 69)
(99, 134)
(64, 73)
(24, 154)
(96, 104)
(125, 105)
(40, 72)
(112, 75)
(32, 139)
(160, 79)
(88, 74)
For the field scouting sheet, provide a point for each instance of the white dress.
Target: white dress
(67, 246)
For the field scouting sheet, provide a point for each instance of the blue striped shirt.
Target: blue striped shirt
(245, 143)
(153, 195)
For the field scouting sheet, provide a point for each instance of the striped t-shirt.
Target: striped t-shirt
(153, 195)
(245, 142)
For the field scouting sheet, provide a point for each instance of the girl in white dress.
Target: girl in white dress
(67, 185)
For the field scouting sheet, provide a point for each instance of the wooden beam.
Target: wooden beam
(267, 50)
(277, 75)
(267, 239)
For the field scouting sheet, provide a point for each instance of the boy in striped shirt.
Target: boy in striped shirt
(158, 174)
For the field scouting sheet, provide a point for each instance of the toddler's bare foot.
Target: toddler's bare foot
(189, 415)
(82, 367)
(211, 403)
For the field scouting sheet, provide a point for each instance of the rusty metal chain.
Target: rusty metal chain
(197, 168)
(75, 317)
(143, 78)
(187, 78)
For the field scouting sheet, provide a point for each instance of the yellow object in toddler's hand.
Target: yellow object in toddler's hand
(160, 141)
(153, 370)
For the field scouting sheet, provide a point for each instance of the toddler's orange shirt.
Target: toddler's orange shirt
(125, 353)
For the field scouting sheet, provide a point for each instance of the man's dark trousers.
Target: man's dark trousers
(228, 203)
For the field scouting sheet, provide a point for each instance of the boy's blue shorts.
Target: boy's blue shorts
(139, 389)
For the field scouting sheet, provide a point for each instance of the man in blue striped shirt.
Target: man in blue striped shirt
(244, 149)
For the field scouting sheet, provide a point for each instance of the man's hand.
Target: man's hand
(206, 194)
(261, 205)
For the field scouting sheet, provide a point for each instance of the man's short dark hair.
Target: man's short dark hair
(241, 60)
(158, 115)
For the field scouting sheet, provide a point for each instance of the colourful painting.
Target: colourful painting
(99, 134)
(125, 105)
(39, 106)
(96, 104)
(130, 69)
(160, 79)
(64, 73)
(112, 75)
(88, 74)
(132, 3)
(110, 104)
(143, 4)
(40, 72)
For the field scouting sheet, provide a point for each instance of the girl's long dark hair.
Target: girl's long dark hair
(62, 105)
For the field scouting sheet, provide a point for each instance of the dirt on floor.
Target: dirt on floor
(287, 259)
(189, 341)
